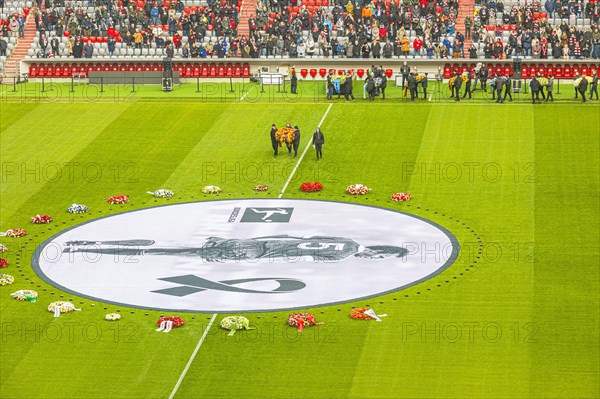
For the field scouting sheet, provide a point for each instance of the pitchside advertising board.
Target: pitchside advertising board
(245, 255)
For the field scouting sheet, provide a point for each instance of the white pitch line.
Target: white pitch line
(302, 156)
(189, 363)
(243, 97)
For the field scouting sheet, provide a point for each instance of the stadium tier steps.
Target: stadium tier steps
(11, 11)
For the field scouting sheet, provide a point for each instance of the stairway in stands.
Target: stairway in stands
(247, 9)
(12, 65)
(467, 7)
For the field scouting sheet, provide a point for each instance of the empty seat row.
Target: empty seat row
(187, 70)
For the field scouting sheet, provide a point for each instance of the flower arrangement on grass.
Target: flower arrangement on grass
(14, 233)
(3, 263)
(63, 306)
(359, 314)
(357, 189)
(6, 279)
(401, 197)
(301, 320)
(112, 317)
(41, 219)
(234, 323)
(365, 314)
(3, 248)
(25, 295)
(285, 134)
(177, 321)
(261, 187)
(211, 190)
(77, 208)
(118, 199)
(161, 193)
(310, 187)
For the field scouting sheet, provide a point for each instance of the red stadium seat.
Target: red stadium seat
(114, 67)
(57, 71)
(229, 71)
(212, 71)
(221, 71)
(525, 71)
(304, 73)
(322, 72)
(130, 67)
(237, 71)
(33, 70)
(246, 70)
(550, 70)
(584, 70)
(567, 72)
(139, 68)
(156, 67)
(66, 71)
(204, 71)
(542, 70)
(196, 71)
(447, 71)
(558, 71)
(147, 67)
(105, 67)
(532, 70)
(49, 71)
(313, 73)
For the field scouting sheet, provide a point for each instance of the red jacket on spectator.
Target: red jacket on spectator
(417, 44)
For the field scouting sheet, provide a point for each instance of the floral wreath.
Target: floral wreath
(401, 197)
(6, 279)
(77, 208)
(261, 187)
(25, 295)
(3, 263)
(118, 199)
(234, 323)
(359, 314)
(161, 193)
(211, 190)
(112, 317)
(302, 319)
(357, 189)
(41, 219)
(15, 233)
(309, 187)
(177, 321)
(285, 134)
(63, 306)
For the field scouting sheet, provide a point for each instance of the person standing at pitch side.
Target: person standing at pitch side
(274, 141)
(318, 142)
(296, 141)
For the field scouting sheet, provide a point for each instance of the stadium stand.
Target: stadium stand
(79, 33)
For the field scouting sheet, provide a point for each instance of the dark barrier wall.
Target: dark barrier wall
(119, 78)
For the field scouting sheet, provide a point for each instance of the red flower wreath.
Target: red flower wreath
(118, 199)
(359, 314)
(177, 321)
(301, 320)
(16, 233)
(401, 197)
(310, 187)
(3, 263)
(41, 219)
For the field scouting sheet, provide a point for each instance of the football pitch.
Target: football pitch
(515, 315)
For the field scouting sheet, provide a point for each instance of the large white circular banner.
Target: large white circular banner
(245, 255)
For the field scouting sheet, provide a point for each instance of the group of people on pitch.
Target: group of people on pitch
(318, 141)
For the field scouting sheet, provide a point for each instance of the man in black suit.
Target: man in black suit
(457, 85)
(412, 86)
(507, 87)
(405, 71)
(424, 84)
(467, 85)
(318, 142)
(583, 85)
(296, 141)
(594, 87)
(274, 141)
(499, 86)
(293, 80)
(535, 90)
(483, 77)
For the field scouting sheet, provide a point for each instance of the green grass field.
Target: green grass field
(515, 316)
